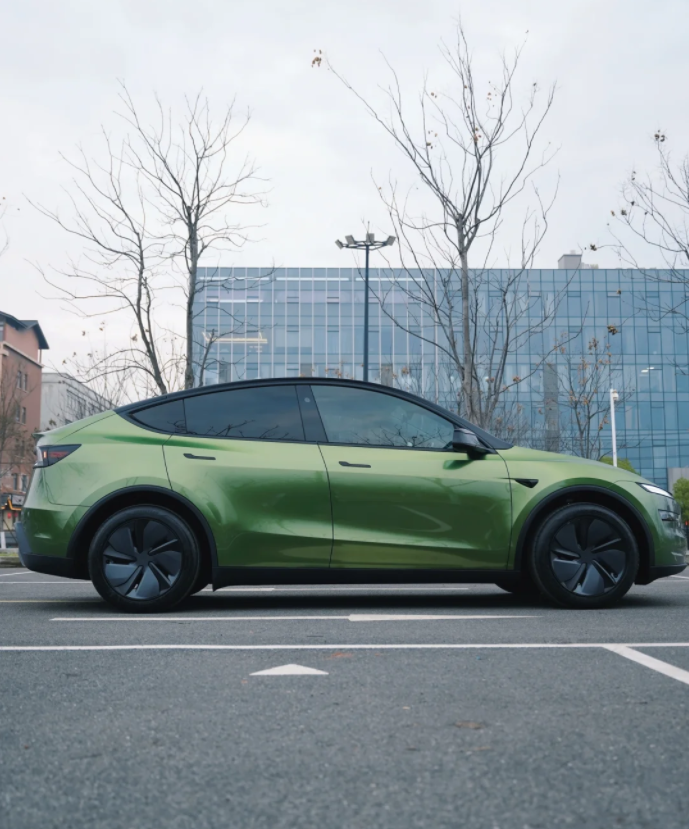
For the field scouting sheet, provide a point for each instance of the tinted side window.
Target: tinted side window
(370, 418)
(263, 413)
(165, 417)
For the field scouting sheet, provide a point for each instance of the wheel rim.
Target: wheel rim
(588, 556)
(142, 559)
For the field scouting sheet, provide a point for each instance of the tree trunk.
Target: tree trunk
(191, 295)
(468, 377)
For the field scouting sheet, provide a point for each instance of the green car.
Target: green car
(296, 481)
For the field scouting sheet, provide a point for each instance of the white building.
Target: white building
(64, 400)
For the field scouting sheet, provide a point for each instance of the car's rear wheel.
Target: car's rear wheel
(144, 559)
(584, 556)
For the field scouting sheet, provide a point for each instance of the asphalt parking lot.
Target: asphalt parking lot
(437, 706)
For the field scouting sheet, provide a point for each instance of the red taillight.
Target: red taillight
(48, 455)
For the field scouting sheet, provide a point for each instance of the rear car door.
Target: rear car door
(400, 496)
(242, 460)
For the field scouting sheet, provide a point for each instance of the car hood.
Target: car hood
(595, 469)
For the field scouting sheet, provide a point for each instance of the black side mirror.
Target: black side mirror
(464, 440)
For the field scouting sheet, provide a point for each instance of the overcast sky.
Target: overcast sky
(621, 69)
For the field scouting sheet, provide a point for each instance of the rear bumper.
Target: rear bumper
(52, 565)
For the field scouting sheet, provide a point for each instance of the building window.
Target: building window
(19, 379)
(26, 382)
(15, 481)
(23, 414)
(25, 482)
(18, 413)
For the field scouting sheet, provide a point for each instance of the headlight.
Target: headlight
(656, 490)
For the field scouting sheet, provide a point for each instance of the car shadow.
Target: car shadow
(421, 601)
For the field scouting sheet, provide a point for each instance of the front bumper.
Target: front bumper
(52, 565)
(661, 572)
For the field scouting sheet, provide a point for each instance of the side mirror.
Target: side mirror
(464, 440)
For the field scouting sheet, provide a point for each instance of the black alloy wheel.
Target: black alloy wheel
(584, 555)
(144, 559)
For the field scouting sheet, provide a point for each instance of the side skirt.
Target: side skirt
(226, 576)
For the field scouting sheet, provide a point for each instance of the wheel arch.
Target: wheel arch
(603, 497)
(80, 541)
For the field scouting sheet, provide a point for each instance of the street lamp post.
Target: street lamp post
(614, 397)
(368, 244)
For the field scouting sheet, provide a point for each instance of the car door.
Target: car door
(243, 461)
(401, 497)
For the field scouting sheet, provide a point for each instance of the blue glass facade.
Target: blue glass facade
(252, 322)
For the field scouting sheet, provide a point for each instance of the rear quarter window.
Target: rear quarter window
(163, 417)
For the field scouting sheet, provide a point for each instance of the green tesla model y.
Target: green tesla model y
(316, 481)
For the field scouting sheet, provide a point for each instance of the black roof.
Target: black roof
(491, 440)
(23, 325)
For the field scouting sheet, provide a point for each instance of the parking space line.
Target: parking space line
(24, 573)
(353, 617)
(54, 583)
(345, 647)
(650, 662)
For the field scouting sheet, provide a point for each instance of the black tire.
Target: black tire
(522, 586)
(584, 556)
(200, 583)
(144, 560)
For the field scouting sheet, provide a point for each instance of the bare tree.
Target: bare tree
(655, 216)
(16, 443)
(585, 381)
(156, 202)
(474, 152)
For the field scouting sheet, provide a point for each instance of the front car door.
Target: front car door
(243, 461)
(400, 496)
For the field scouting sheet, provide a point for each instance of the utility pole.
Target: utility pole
(614, 397)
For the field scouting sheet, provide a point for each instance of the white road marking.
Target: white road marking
(684, 578)
(372, 588)
(78, 600)
(341, 647)
(650, 662)
(239, 590)
(290, 670)
(427, 617)
(24, 573)
(354, 617)
(56, 583)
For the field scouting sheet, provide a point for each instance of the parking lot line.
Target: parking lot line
(353, 617)
(650, 662)
(21, 573)
(55, 583)
(344, 647)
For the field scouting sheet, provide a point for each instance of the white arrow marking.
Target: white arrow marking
(290, 670)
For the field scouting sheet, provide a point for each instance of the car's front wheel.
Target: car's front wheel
(584, 556)
(144, 559)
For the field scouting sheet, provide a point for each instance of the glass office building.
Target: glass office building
(289, 322)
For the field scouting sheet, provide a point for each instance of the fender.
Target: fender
(561, 495)
(136, 494)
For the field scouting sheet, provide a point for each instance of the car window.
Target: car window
(372, 418)
(164, 417)
(263, 413)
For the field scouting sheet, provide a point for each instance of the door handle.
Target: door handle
(198, 457)
(360, 465)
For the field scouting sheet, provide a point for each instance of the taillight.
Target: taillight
(48, 455)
